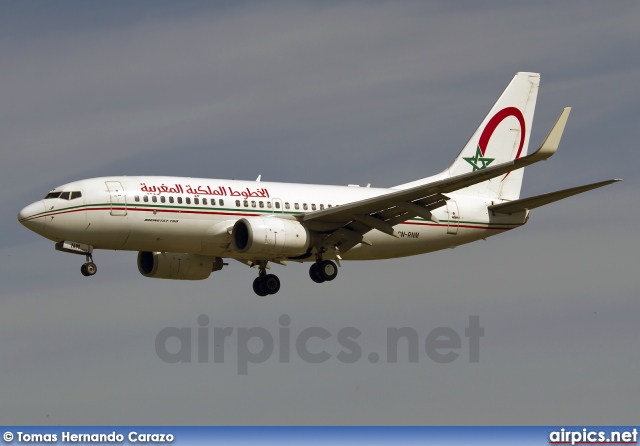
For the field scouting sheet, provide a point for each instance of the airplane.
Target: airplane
(184, 228)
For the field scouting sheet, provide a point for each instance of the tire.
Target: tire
(327, 270)
(90, 268)
(271, 283)
(83, 270)
(258, 288)
(314, 273)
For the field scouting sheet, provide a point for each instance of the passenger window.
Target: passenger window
(170, 199)
(313, 207)
(187, 200)
(75, 195)
(204, 201)
(179, 200)
(237, 203)
(261, 204)
(154, 199)
(246, 203)
(145, 199)
(52, 195)
(162, 199)
(328, 205)
(304, 206)
(196, 201)
(137, 198)
(253, 203)
(286, 206)
(321, 206)
(296, 206)
(268, 205)
(277, 205)
(219, 201)
(65, 195)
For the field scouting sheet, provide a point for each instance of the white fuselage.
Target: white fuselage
(194, 215)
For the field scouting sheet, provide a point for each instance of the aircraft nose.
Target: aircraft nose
(29, 216)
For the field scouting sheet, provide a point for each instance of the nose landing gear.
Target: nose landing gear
(89, 268)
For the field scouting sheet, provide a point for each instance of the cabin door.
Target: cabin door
(117, 198)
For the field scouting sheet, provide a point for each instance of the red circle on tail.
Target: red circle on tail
(493, 124)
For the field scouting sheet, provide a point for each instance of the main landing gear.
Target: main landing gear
(265, 284)
(320, 271)
(323, 271)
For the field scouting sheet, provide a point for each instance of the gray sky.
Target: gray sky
(348, 92)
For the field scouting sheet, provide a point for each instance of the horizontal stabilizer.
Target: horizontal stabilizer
(512, 207)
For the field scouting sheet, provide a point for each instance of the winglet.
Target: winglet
(552, 141)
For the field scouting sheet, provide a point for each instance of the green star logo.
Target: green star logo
(479, 162)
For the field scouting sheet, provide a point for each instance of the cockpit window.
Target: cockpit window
(64, 195)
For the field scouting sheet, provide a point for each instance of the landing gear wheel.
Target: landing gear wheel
(327, 270)
(314, 273)
(88, 269)
(271, 283)
(258, 287)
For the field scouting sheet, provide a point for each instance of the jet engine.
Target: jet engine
(271, 236)
(177, 266)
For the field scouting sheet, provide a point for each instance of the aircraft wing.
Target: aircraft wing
(345, 225)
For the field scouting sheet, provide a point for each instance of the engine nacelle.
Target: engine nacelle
(271, 236)
(177, 266)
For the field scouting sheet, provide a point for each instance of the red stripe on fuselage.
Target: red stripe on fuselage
(179, 211)
(129, 209)
(458, 226)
